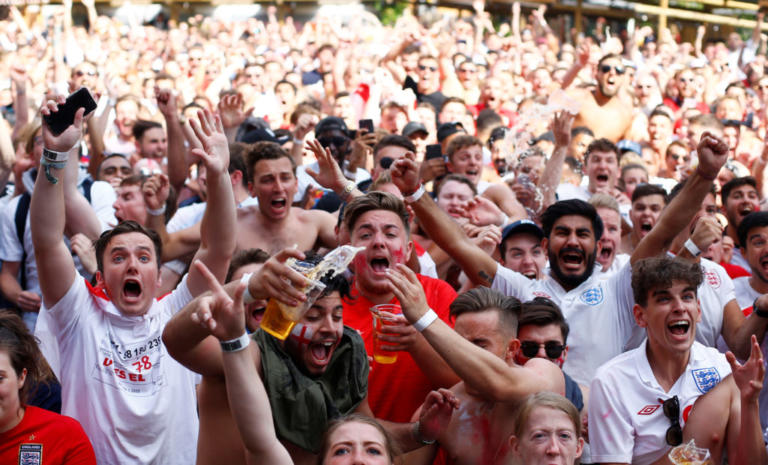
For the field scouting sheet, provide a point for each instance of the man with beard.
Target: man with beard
(739, 197)
(572, 228)
(648, 200)
(603, 110)
(608, 255)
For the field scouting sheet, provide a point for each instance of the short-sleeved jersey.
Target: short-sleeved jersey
(396, 390)
(135, 402)
(626, 419)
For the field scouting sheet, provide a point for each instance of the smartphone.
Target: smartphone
(434, 151)
(366, 124)
(58, 122)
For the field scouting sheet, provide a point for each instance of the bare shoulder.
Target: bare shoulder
(547, 372)
(316, 217)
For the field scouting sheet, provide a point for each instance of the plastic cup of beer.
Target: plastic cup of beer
(279, 319)
(384, 315)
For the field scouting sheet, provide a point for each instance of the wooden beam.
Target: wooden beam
(697, 16)
(663, 15)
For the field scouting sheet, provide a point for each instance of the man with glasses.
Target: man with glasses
(427, 89)
(482, 349)
(640, 400)
(685, 83)
(604, 110)
(542, 332)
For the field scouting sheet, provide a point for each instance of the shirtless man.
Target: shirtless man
(482, 350)
(273, 225)
(603, 110)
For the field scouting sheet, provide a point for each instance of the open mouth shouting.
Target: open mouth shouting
(572, 259)
(606, 252)
(320, 352)
(379, 264)
(679, 328)
(645, 228)
(602, 179)
(131, 290)
(278, 205)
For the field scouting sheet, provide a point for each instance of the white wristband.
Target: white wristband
(236, 345)
(416, 195)
(156, 211)
(425, 320)
(692, 248)
(247, 297)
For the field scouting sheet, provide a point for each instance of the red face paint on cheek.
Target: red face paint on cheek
(398, 255)
(360, 262)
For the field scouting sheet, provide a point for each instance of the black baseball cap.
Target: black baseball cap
(522, 226)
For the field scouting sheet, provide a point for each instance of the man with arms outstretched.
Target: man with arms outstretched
(136, 404)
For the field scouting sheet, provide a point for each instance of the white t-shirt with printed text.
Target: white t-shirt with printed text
(134, 401)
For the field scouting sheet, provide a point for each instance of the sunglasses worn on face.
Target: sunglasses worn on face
(337, 141)
(80, 73)
(431, 68)
(553, 349)
(671, 408)
(607, 68)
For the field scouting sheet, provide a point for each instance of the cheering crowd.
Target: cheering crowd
(569, 230)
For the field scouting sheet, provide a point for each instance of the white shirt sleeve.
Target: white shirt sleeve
(10, 248)
(511, 283)
(103, 196)
(611, 436)
(621, 283)
(66, 313)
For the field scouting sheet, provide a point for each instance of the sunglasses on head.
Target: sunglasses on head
(553, 349)
(607, 68)
(671, 408)
(431, 68)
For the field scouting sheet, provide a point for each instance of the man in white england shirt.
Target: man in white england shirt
(135, 402)
(591, 305)
(640, 400)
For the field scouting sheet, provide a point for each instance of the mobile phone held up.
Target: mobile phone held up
(366, 124)
(434, 151)
(58, 122)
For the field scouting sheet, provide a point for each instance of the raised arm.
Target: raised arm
(477, 367)
(217, 231)
(712, 154)
(477, 264)
(56, 270)
(553, 169)
(177, 159)
(190, 342)
(749, 379)
(248, 399)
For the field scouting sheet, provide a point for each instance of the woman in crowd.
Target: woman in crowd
(547, 427)
(29, 434)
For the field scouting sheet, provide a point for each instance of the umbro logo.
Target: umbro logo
(648, 409)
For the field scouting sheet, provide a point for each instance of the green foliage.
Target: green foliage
(389, 10)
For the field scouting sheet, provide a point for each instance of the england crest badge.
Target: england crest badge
(31, 454)
(706, 378)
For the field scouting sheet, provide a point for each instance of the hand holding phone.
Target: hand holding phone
(366, 124)
(59, 121)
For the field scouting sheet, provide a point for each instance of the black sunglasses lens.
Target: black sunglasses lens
(529, 349)
(386, 162)
(674, 435)
(671, 408)
(553, 350)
